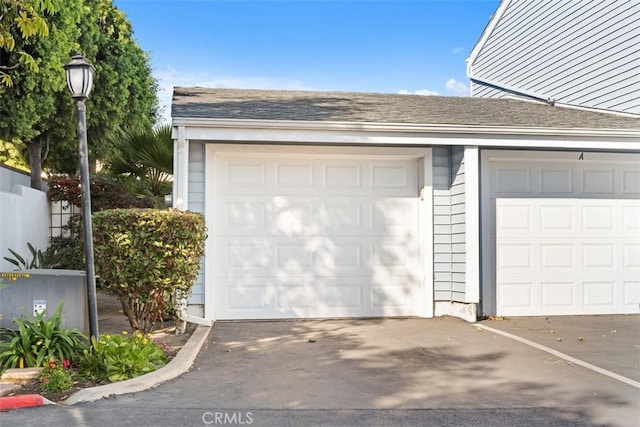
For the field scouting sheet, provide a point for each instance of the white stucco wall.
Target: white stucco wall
(24, 217)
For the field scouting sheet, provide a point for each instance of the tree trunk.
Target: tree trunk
(35, 162)
(93, 166)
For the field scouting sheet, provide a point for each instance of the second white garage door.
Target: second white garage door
(302, 236)
(564, 232)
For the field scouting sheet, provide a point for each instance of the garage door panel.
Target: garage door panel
(560, 295)
(631, 219)
(516, 296)
(316, 237)
(555, 181)
(630, 182)
(631, 256)
(513, 180)
(597, 181)
(293, 216)
(581, 267)
(600, 294)
(631, 295)
(344, 297)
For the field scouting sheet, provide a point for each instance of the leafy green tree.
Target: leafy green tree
(146, 156)
(38, 109)
(29, 110)
(21, 19)
(124, 90)
(11, 155)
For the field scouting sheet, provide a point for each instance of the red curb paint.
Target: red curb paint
(20, 401)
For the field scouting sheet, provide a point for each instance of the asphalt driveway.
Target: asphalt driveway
(400, 372)
(608, 342)
(379, 364)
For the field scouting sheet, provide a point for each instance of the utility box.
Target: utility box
(25, 293)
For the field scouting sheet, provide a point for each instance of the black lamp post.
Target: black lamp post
(80, 82)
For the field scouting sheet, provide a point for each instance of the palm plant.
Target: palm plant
(146, 156)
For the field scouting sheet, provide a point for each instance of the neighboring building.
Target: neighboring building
(328, 204)
(574, 52)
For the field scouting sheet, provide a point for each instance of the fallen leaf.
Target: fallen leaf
(558, 339)
(478, 328)
(552, 331)
(580, 338)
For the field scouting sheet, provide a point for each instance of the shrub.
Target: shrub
(147, 256)
(68, 250)
(120, 357)
(55, 377)
(38, 340)
(106, 193)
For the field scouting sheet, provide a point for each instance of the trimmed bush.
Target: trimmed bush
(148, 258)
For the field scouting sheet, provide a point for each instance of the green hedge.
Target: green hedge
(148, 258)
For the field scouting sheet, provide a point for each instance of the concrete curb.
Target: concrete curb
(22, 401)
(178, 366)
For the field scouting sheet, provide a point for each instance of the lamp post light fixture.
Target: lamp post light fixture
(80, 82)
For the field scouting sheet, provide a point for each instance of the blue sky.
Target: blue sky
(394, 46)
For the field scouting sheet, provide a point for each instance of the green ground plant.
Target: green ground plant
(38, 340)
(39, 259)
(56, 376)
(117, 357)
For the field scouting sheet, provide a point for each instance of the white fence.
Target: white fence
(24, 215)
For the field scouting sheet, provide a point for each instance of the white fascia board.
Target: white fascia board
(345, 133)
(488, 30)
(181, 170)
(512, 89)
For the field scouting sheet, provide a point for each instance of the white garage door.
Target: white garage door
(565, 232)
(301, 236)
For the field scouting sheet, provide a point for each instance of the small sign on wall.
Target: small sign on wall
(39, 305)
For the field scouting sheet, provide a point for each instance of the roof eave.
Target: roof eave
(264, 124)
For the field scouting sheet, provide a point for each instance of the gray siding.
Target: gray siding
(448, 224)
(483, 91)
(578, 52)
(458, 239)
(196, 204)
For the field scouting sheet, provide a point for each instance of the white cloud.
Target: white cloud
(457, 50)
(425, 92)
(170, 77)
(458, 88)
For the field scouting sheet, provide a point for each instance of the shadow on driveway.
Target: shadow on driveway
(441, 364)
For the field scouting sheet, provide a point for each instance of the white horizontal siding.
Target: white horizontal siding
(578, 52)
(196, 193)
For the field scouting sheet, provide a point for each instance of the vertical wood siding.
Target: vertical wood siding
(448, 224)
(578, 52)
(196, 204)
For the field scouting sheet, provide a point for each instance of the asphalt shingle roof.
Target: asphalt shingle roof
(196, 102)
